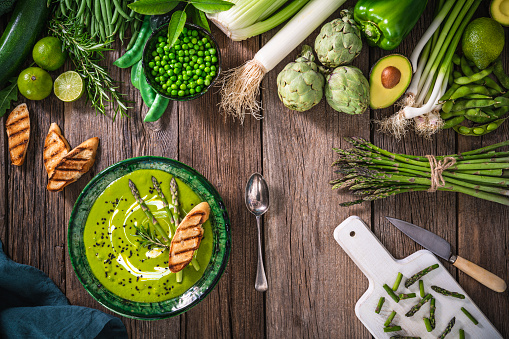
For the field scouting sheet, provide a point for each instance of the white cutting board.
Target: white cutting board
(380, 268)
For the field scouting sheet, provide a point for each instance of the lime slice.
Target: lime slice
(69, 86)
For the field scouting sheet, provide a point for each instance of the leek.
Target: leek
(241, 85)
(249, 18)
(432, 71)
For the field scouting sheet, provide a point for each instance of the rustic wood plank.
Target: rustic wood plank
(226, 154)
(313, 285)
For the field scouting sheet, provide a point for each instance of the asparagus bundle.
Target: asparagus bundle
(374, 173)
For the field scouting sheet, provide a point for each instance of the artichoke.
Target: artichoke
(339, 41)
(347, 90)
(300, 83)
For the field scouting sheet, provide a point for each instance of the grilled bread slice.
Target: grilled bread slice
(18, 133)
(55, 148)
(187, 237)
(71, 167)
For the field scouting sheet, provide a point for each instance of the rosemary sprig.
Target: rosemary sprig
(85, 53)
(148, 237)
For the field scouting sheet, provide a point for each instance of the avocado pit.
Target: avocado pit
(390, 77)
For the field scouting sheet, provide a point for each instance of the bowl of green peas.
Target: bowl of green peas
(186, 70)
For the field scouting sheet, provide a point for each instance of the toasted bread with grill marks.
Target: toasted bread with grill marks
(187, 237)
(71, 167)
(55, 148)
(18, 133)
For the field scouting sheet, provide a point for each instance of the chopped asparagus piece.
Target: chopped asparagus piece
(471, 317)
(447, 293)
(379, 306)
(421, 288)
(448, 328)
(391, 293)
(390, 319)
(432, 310)
(427, 324)
(397, 282)
(392, 329)
(418, 306)
(404, 296)
(462, 334)
(410, 281)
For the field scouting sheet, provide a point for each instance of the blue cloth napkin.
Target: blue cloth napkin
(32, 306)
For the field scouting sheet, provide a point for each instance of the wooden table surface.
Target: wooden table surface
(313, 284)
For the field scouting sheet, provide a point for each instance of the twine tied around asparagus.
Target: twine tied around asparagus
(437, 167)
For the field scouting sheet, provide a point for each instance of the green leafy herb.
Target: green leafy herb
(7, 96)
(153, 7)
(198, 17)
(177, 22)
(148, 237)
(211, 6)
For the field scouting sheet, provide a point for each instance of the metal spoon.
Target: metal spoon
(257, 202)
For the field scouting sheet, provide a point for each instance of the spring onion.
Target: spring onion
(241, 85)
(432, 63)
(253, 17)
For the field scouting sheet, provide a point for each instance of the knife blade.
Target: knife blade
(442, 248)
(425, 238)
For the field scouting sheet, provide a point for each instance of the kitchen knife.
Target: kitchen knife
(442, 248)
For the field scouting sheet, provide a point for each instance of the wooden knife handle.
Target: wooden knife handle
(483, 276)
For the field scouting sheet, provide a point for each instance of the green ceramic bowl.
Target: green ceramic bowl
(167, 308)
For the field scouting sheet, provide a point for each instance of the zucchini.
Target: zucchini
(27, 22)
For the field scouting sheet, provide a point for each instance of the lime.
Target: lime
(48, 54)
(483, 41)
(35, 83)
(69, 86)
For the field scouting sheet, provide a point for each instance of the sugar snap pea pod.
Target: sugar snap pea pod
(136, 52)
(469, 89)
(473, 103)
(136, 73)
(479, 130)
(501, 101)
(477, 96)
(478, 116)
(453, 122)
(456, 59)
(147, 93)
(157, 109)
(450, 91)
(474, 77)
(498, 70)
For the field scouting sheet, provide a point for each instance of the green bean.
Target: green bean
(81, 10)
(450, 91)
(109, 16)
(114, 18)
(132, 42)
(120, 10)
(68, 4)
(105, 20)
(453, 122)
(473, 103)
(469, 89)
(89, 4)
(498, 70)
(157, 109)
(63, 9)
(456, 59)
(474, 77)
(501, 102)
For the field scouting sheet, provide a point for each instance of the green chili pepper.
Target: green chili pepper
(147, 93)
(157, 109)
(136, 73)
(386, 23)
(136, 52)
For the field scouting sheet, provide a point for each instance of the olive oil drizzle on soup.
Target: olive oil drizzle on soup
(114, 253)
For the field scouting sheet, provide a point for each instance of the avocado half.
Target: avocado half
(388, 80)
(499, 10)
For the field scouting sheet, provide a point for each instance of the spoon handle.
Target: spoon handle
(261, 280)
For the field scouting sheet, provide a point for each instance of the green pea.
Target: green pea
(194, 33)
(151, 64)
(154, 53)
(157, 79)
(199, 81)
(214, 60)
(153, 73)
(174, 86)
(200, 53)
(464, 130)
(173, 78)
(160, 39)
(492, 126)
(174, 92)
(181, 93)
(159, 50)
(208, 45)
(157, 58)
(195, 77)
(165, 58)
(207, 82)
(183, 86)
(192, 91)
(161, 70)
(198, 89)
(164, 86)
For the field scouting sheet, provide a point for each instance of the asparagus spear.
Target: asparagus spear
(145, 209)
(410, 281)
(432, 313)
(390, 319)
(165, 203)
(379, 306)
(404, 296)
(397, 282)
(392, 329)
(418, 306)
(421, 289)
(448, 328)
(427, 323)
(462, 334)
(470, 316)
(391, 293)
(447, 293)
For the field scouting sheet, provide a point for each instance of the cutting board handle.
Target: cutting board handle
(363, 247)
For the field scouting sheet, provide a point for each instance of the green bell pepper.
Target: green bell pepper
(385, 23)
